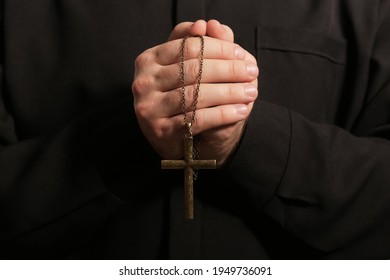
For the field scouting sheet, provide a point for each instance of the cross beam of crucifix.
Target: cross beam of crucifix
(188, 164)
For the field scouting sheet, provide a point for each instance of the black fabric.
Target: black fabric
(310, 179)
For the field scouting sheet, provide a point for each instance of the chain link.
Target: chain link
(188, 124)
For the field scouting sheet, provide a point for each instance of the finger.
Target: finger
(211, 118)
(183, 29)
(180, 30)
(170, 103)
(214, 117)
(213, 71)
(170, 52)
(219, 31)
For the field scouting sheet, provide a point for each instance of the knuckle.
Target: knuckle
(233, 71)
(223, 116)
(174, 100)
(239, 69)
(236, 69)
(166, 73)
(233, 90)
(224, 50)
(191, 48)
(142, 110)
(189, 94)
(161, 129)
(159, 55)
(143, 59)
(200, 120)
(191, 70)
(142, 83)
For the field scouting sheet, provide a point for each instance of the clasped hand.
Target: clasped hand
(227, 91)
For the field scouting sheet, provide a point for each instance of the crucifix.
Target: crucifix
(191, 160)
(188, 164)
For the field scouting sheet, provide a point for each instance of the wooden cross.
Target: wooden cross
(188, 164)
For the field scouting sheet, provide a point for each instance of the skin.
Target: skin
(227, 91)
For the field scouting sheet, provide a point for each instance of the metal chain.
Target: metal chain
(183, 83)
(188, 124)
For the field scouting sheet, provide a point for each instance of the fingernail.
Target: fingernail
(251, 69)
(240, 53)
(251, 91)
(241, 109)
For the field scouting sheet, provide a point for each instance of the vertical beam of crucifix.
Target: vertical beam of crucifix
(188, 164)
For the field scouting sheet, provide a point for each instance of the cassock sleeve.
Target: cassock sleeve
(57, 188)
(327, 186)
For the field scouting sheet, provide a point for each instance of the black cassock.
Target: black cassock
(310, 179)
